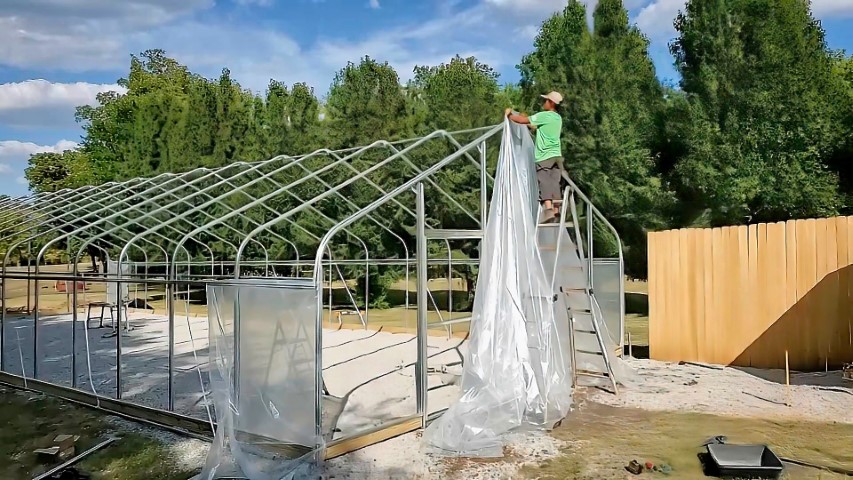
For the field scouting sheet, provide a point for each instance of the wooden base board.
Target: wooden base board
(160, 418)
(379, 434)
(198, 428)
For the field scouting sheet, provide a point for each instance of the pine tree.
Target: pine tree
(612, 104)
(763, 108)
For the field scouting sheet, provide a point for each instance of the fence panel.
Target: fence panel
(746, 295)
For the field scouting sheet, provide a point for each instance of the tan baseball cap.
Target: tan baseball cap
(554, 97)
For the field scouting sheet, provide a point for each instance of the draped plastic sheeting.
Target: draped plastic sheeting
(606, 283)
(112, 288)
(516, 371)
(263, 380)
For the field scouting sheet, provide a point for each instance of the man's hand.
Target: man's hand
(522, 119)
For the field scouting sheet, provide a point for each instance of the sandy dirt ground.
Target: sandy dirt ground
(374, 368)
(353, 357)
(730, 391)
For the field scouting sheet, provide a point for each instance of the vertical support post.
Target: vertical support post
(449, 279)
(35, 321)
(621, 292)
(145, 285)
(366, 289)
(331, 279)
(236, 377)
(318, 355)
(589, 251)
(29, 263)
(3, 306)
(406, 314)
(118, 327)
(74, 327)
(421, 365)
(68, 270)
(484, 198)
(170, 311)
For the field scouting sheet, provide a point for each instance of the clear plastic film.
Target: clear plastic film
(112, 287)
(571, 275)
(516, 371)
(263, 381)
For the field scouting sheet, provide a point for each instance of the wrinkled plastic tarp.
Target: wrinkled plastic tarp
(112, 287)
(264, 389)
(516, 372)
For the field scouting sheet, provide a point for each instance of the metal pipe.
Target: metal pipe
(449, 279)
(484, 199)
(318, 350)
(275, 193)
(348, 182)
(612, 229)
(589, 243)
(406, 186)
(421, 253)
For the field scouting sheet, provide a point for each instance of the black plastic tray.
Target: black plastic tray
(744, 461)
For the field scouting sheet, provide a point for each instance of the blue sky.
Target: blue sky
(56, 54)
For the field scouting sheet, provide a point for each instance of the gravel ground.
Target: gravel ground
(663, 386)
(352, 357)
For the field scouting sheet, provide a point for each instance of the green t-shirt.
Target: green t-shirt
(548, 127)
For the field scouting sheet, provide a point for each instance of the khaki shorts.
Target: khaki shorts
(549, 174)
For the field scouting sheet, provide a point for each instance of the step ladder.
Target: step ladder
(567, 268)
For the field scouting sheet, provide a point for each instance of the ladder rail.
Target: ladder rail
(597, 215)
(559, 237)
(595, 308)
(596, 313)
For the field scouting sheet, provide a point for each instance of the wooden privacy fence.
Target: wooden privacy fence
(745, 295)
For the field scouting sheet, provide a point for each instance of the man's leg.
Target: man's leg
(544, 194)
(556, 181)
(549, 186)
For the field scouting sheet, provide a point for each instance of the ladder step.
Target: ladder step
(589, 352)
(556, 224)
(589, 332)
(579, 311)
(582, 321)
(577, 299)
(588, 373)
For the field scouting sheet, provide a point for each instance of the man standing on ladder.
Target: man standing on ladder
(549, 156)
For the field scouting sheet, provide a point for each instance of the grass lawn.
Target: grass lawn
(31, 421)
(602, 440)
(638, 326)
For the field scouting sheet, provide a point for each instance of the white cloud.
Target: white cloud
(374, 4)
(42, 93)
(40, 103)
(81, 35)
(534, 8)
(145, 12)
(656, 19)
(86, 35)
(276, 55)
(15, 151)
(834, 8)
(13, 160)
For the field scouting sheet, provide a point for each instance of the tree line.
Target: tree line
(759, 128)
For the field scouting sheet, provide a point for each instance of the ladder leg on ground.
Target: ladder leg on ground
(561, 249)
